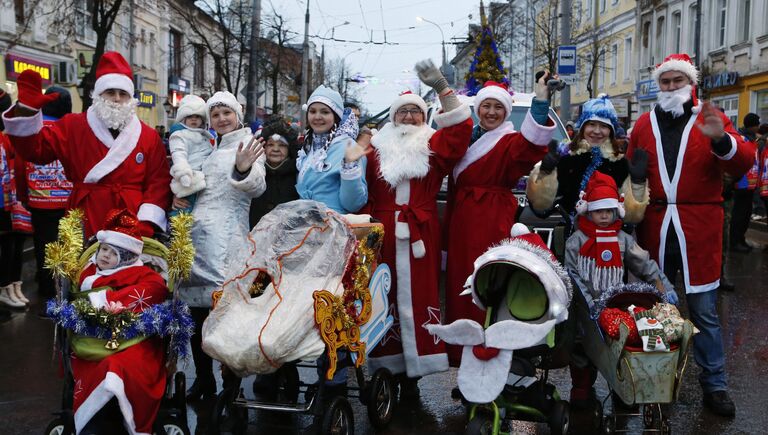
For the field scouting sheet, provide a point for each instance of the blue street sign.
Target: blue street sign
(566, 60)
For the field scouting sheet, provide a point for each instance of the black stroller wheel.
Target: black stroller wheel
(381, 398)
(179, 392)
(559, 418)
(57, 427)
(228, 418)
(482, 424)
(171, 426)
(338, 418)
(666, 428)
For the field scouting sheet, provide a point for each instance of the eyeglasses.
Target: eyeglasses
(412, 112)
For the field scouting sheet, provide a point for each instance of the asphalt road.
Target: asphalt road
(30, 388)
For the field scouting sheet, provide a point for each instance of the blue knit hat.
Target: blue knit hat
(599, 109)
(329, 97)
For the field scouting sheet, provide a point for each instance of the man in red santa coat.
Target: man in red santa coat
(689, 146)
(481, 205)
(131, 378)
(404, 176)
(113, 159)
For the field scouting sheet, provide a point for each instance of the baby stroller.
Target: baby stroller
(171, 417)
(308, 287)
(634, 375)
(526, 295)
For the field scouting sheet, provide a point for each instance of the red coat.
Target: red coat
(411, 247)
(695, 191)
(130, 171)
(136, 375)
(482, 207)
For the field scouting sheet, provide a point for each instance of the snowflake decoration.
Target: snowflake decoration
(139, 299)
(433, 318)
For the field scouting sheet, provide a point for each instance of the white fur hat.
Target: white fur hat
(192, 105)
(496, 91)
(224, 98)
(677, 62)
(404, 98)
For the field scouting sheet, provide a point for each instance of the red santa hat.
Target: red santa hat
(121, 229)
(601, 194)
(677, 62)
(496, 91)
(407, 97)
(113, 72)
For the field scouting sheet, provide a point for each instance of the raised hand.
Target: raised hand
(551, 159)
(30, 88)
(431, 76)
(638, 167)
(360, 148)
(710, 123)
(248, 154)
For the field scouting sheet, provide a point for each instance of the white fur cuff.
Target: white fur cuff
(732, 152)
(402, 231)
(536, 133)
(198, 184)
(152, 213)
(98, 299)
(454, 117)
(23, 126)
(419, 251)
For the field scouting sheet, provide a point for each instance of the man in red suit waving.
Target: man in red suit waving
(113, 159)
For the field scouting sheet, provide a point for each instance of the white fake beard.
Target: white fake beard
(114, 115)
(673, 101)
(403, 152)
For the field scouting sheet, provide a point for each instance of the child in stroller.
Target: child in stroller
(597, 255)
(526, 294)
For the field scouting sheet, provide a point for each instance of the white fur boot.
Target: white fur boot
(17, 292)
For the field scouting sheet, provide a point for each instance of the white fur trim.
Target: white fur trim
(22, 126)
(463, 332)
(121, 240)
(483, 381)
(403, 152)
(226, 99)
(497, 93)
(192, 105)
(482, 147)
(402, 231)
(327, 101)
(453, 117)
(536, 133)
(198, 184)
(516, 334)
(732, 152)
(98, 299)
(419, 251)
(119, 148)
(677, 65)
(602, 204)
(404, 99)
(152, 213)
(111, 386)
(113, 81)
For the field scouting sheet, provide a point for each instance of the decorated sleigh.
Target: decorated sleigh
(309, 289)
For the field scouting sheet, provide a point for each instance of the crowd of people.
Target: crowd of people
(665, 183)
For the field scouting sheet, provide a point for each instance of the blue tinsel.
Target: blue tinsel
(170, 319)
(597, 160)
(473, 86)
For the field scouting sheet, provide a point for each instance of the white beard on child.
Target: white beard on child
(115, 115)
(673, 101)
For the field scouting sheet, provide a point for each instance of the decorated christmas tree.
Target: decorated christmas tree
(487, 64)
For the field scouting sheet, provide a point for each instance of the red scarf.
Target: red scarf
(600, 259)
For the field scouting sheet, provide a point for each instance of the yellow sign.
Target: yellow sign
(19, 65)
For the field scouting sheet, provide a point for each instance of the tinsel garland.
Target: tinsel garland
(634, 287)
(484, 39)
(62, 256)
(597, 160)
(170, 319)
(181, 250)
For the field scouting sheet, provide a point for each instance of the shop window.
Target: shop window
(174, 54)
(761, 104)
(730, 106)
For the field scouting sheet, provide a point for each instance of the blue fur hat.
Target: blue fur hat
(329, 97)
(599, 109)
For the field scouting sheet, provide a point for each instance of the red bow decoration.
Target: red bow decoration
(609, 322)
(123, 221)
(484, 353)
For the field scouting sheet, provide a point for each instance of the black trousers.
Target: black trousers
(203, 362)
(742, 211)
(11, 251)
(46, 225)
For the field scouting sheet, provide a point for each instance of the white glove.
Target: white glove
(185, 180)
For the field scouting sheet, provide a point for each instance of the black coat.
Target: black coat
(571, 169)
(281, 187)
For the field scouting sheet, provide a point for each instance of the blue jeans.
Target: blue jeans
(702, 307)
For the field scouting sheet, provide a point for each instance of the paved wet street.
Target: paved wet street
(30, 388)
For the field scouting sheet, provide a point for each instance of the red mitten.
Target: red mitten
(146, 229)
(609, 322)
(30, 86)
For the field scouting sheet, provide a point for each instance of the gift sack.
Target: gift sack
(671, 321)
(611, 318)
(650, 329)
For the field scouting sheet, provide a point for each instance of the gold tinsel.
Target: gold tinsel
(62, 256)
(181, 251)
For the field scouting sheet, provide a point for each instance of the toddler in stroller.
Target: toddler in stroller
(118, 363)
(526, 294)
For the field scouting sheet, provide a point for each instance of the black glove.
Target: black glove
(638, 167)
(551, 159)
(723, 146)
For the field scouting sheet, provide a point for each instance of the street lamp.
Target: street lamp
(444, 66)
(322, 52)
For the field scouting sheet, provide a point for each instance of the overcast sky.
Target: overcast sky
(388, 68)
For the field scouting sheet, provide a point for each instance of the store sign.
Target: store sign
(15, 65)
(146, 98)
(720, 80)
(622, 107)
(179, 84)
(647, 90)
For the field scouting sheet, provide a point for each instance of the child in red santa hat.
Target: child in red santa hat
(597, 254)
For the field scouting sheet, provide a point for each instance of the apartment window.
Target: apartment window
(614, 62)
(691, 28)
(152, 50)
(144, 44)
(174, 54)
(19, 8)
(199, 75)
(217, 72)
(677, 28)
(602, 6)
(601, 73)
(746, 18)
(761, 104)
(721, 15)
(627, 58)
(83, 26)
(661, 43)
(587, 8)
(646, 35)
